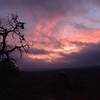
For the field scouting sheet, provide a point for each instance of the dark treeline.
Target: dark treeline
(70, 84)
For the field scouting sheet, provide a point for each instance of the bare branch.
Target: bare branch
(17, 47)
(14, 28)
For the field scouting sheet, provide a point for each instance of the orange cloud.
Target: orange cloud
(45, 57)
(55, 36)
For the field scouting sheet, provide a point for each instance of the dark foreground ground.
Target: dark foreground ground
(65, 84)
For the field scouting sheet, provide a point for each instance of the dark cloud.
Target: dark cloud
(49, 8)
(89, 56)
(79, 43)
(37, 51)
(97, 2)
(83, 27)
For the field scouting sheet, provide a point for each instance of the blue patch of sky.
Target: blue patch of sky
(90, 19)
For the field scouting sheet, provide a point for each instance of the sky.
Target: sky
(64, 33)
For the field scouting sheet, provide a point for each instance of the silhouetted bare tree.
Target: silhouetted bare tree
(11, 40)
(11, 37)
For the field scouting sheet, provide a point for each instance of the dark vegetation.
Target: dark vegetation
(73, 84)
(65, 84)
(69, 84)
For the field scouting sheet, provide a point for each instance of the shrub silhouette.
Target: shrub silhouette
(8, 79)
